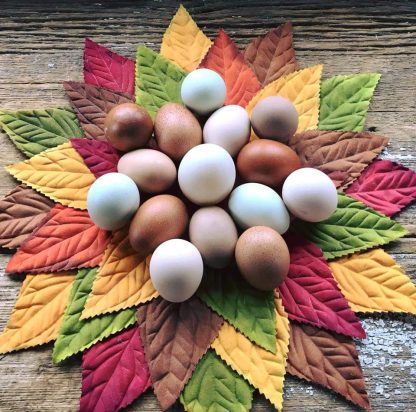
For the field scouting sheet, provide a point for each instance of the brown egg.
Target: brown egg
(266, 161)
(262, 257)
(128, 127)
(160, 218)
(177, 130)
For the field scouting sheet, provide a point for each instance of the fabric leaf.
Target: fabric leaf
(240, 80)
(175, 336)
(38, 311)
(33, 131)
(272, 56)
(345, 101)
(327, 359)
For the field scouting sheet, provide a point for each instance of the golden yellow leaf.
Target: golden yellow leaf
(38, 312)
(59, 173)
(374, 282)
(263, 369)
(183, 42)
(122, 281)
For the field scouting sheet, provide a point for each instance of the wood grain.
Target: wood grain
(41, 46)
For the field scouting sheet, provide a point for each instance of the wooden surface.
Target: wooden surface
(41, 45)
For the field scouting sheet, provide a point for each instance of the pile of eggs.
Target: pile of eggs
(231, 185)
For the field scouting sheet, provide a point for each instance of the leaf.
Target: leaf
(351, 228)
(21, 212)
(272, 56)
(310, 293)
(100, 157)
(227, 390)
(341, 155)
(33, 131)
(175, 336)
(249, 310)
(302, 89)
(263, 369)
(374, 282)
(345, 101)
(183, 42)
(75, 334)
(105, 68)
(91, 105)
(327, 359)
(58, 173)
(158, 81)
(225, 58)
(67, 239)
(114, 373)
(385, 186)
(38, 312)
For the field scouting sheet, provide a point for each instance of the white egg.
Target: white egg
(228, 127)
(112, 200)
(203, 90)
(310, 194)
(206, 174)
(254, 204)
(176, 270)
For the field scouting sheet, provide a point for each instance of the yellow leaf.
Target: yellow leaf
(374, 282)
(183, 42)
(302, 89)
(38, 312)
(263, 369)
(59, 173)
(122, 281)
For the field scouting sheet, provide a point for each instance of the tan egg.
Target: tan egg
(262, 257)
(177, 130)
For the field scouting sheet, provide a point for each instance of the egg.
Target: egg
(160, 218)
(151, 170)
(177, 130)
(203, 90)
(128, 126)
(176, 270)
(206, 174)
(112, 200)
(254, 204)
(310, 194)
(213, 232)
(267, 161)
(228, 127)
(262, 257)
(275, 118)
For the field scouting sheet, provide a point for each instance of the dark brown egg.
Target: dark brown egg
(262, 257)
(128, 127)
(266, 161)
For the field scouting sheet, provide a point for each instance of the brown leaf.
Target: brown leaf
(341, 155)
(272, 56)
(175, 337)
(327, 359)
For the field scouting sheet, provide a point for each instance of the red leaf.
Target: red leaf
(385, 186)
(310, 293)
(225, 58)
(114, 373)
(108, 69)
(68, 239)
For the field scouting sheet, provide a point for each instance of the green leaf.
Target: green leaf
(75, 334)
(214, 386)
(249, 310)
(158, 80)
(34, 131)
(345, 101)
(351, 228)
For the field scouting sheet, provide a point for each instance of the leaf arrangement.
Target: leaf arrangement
(88, 291)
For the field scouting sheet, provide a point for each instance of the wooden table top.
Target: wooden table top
(41, 45)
